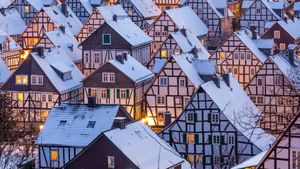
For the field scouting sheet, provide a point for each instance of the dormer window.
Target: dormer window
(62, 123)
(106, 39)
(91, 124)
(67, 75)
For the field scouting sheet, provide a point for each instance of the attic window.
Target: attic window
(67, 75)
(106, 39)
(91, 124)
(26, 9)
(62, 123)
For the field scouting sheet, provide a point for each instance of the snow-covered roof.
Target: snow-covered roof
(253, 161)
(274, 5)
(67, 42)
(4, 72)
(86, 4)
(11, 22)
(239, 110)
(216, 5)
(147, 8)
(283, 63)
(185, 61)
(133, 69)
(247, 4)
(6, 3)
(129, 31)
(13, 45)
(108, 11)
(246, 37)
(38, 5)
(278, 4)
(185, 17)
(70, 22)
(264, 43)
(137, 137)
(58, 59)
(292, 27)
(66, 125)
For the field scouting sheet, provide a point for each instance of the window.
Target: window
(108, 77)
(231, 140)
(20, 97)
(295, 159)
(186, 100)
(253, 98)
(216, 159)
(43, 97)
(129, 12)
(235, 71)
(91, 124)
(248, 56)
(216, 139)
(35, 27)
(259, 81)
(280, 118)
(163, 53)
(106, 39)
(123, 93)
(236, 55)
(54, 155)
(161, 100)
(215, 118)
(50, 98)
(21, 79)
(278, 80)
(190, 117)
(50, 27)
(97, 57)
(282, 46)
(260, 100)
(90, 29)
(182, 82)
(37, 79)
(190, 137)
(44, 115)
(110, 162)
(222, 55)
(166, 28)
(67, 75)
(257, 10)
(252, 71)
(276, 34)
(103, 94)
(62, 123)
(242, 55)
(163, 81)
(26, 9)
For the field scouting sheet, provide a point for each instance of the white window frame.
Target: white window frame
(105, 34)
(215, 118)
(35, 79)
(108, 77)
(123, 93)
(165, 82)
(276, 34)
(110, 162)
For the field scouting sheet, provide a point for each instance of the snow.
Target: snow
(38, 5)
(282, 61)
(57, 58)
(159, 63)
(239, 110)
(13, 45)
(67, 42)
(129, 31)
(107, 12)
(280, 4)
(6, 3)
(247, 4)
(292, 27)
(205, 67)
(137, 138)
(12, 22)
(87, 5)
(133, 69)
(147, 8)
(4, 72)
(185, 61)
(185, 17)
(254, 161)
(75, 131)
(264, 43)
(245, 37)
(71, 22)
(220, 4)
(271, 6)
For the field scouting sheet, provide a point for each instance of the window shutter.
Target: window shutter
(118, 93)
(184, 137)
(209, 117)
(196, 138)
(195, 117)
(203, 159)
(222, 140)
(209, 139)
(107, 93)
(89, 92)
(127, 93)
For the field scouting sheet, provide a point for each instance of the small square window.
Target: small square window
(54, 155)
(91, 124)
(163, 81)
(182, 82)
(106, 39)
(163, 53)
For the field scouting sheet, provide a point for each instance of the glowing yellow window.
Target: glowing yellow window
(35, 40)
(202, 41)
(163, 53)
(44, 115)
(54, 156)
(298, 56)
(190, 137)
(26, 9)
(20, 96)
(222, 55)
(21, 79)
(34, 27)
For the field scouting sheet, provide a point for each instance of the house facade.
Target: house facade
(81, 8)
(120, 81)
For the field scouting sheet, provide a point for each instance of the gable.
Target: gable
(258, 4)
(284, 35)
(94, 41)
(29, 67)
(45, 42)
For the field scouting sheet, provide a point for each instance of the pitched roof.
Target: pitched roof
(133, 69)
(239, 110)
(137, 137)
(4, 72)
(58, 59)
(147, 8)
(185, 17)
(108, 11)
(245, 37)
(6, 3)
(218, 5)
(292, 27)
(67, 42)
(70, 22)
(67, 124)
(11, 22)
(274, 5)
(129, 31)
(87, 5)
(13, 45)
(38, 5)
(253, 161)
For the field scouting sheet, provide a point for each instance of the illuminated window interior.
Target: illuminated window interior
(190, 137)
(163, 53)
(20, 96)
(21, 79)
(44, 115)
(54, 156)
(222, 55)
(26, 9)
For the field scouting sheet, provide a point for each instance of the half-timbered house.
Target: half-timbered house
(168, 4)
(97, 18)
(171, 21)
(285, 33)
(81, 8)
(261, 13)
(174, 85)
(179, 42)
(217, 17)
(243, 54)
(69, 128)
(4, 72)
(115, 37)
(218, 128)
(65, 40)
(43, 80)
(273, 91)
(123, 80)
(49, 19)
(120, 148)
(142, 12)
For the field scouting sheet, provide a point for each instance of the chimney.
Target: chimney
(125, 56)
(217, 82)
(119, 122)
(183, 31)
(194, 52)
(226, 78)
(120, 59)
(40, 51)
(285, 19)
(253, 32)
(64, 9)
(167, 118)
(91, 102)
(62, 28)
(115, 17)
(291, 57)
(2, 10)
